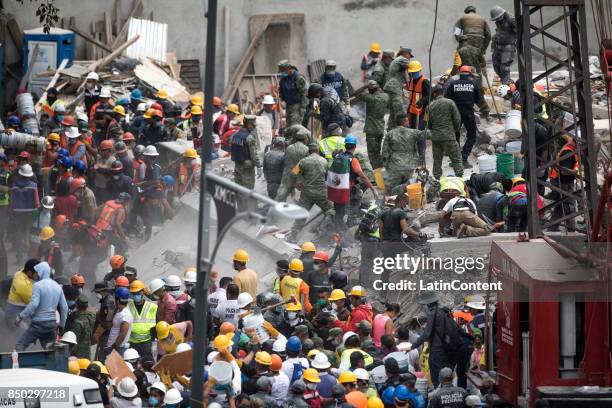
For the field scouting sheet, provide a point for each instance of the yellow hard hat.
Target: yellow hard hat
(296, 265)
(103, 368)
(232, 107)
(190, 153)
(196, 110)
(162, 329)
(336, 294)
(222, 342)
(414, 66)
(447, 72)
(162, 94)
(357, 291)
(263, 357)
(375, 47)
(54, 137)
(308, 247)
(83, 363)
(347, 377)
(119, 109)
(241, 256)
(294, 307)
(311, 375)
(136, 286)
(46, 233)
(375, 402)
(149, 113)
(517, 180)
(313, 353)
(197, 100)
(73, 367)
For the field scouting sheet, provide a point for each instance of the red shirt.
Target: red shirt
(523, 189)
(166, 309)
(66, 205)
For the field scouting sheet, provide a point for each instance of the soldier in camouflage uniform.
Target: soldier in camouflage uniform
(298, 138)
(245, 154)
(474, 28)
(400, 153)
(444, 122)
(381, 69)
(503, 46)
(83, 328)
(273, 164)
(376, 107)
(292, 88)
(471, 56)
(394, 88)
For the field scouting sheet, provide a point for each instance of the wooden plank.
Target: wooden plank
(117, 368)
(136, 12)
(108, 29)
(175, 363)
(118, 8)
(175, 68)
(226, 44)
(16, 34)
(90, 39)
(26, 76)
(106, 60)
(51, 83)
(230, 90)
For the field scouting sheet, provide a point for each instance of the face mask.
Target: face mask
(330, 72)
(322, 302)
(415, 75)
(291, 315)
(311, 386)
(116, 177)
(176, 293)
(99, 296)
(153, 401)
(284, 74)
(51, 99)
(196, 119)
(137, 298)
(334, 306)
(71, 303)
(59, 118)
(72, 140)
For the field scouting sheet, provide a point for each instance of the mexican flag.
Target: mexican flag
(338, 182)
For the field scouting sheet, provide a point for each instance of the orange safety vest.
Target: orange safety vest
(183, 178)
(75, 147)
(553, 173)
(416, 93)
(107, 216)
(49, 158)
(138, 164)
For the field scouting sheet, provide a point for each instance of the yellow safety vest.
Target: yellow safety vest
(290, 286)
(143, 322)
(329, 145)
(346, 356)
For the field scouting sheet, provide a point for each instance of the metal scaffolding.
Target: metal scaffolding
(567, 17)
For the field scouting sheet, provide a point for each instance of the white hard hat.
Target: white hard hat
(173, 396)
(320, 362)
(268, 100)
(156, 284)
(477, 305)
(211, 356)
(26, 170)
(244, 299)
(471, 401)
(347, 335)
(105, 93)
(158, 385)
(127, 388)
(48, 202)
(150, 151)
(148, 104)
(73, 133)
(503, 90)
(129, 365)
(182, 347)
(360, 373)
(59, 108)
(214, 405)
(191, 277)
(280, 345)
(142, 107)
(92, 76)
(173, 281)
(82, 117)
(69, 337)
(130, 354)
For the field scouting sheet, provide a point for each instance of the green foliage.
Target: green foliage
(47, 13)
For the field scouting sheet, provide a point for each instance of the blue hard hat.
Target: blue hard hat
(66, 161)
(350, 139)
(136, 95)
(62, 152)
(122, 101)
(80, 166)
(387, 395)
(294, 344)
(168, 180)
(13, 121)
(122, 293)
(401, 393)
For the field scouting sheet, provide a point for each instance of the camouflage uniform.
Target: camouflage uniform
(83, 329)
(374, 128)
(380, 74)
(295, 112)
(244, 172)
(475, 29)
(471, 56)
(503, 47)
(400, 154)
(394, 88)
(444, 122)
(273, 163)
(293, 154)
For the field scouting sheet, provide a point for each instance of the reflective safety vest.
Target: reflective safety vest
(329, 145)
(346, 356)
(290, 286)
(416, 93)
(544, 113)
(183, 178)
(568, 147)
(143, 322)
(105, 222)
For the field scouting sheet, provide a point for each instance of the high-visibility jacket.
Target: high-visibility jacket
(107, 217)
(345, 358)
(290, 286)
(570, 146)
(21, 289)
(416, 94)
(184, 174)
(143, 321)
(329, 145)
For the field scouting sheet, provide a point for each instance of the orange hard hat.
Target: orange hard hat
(76, 183)
(106, 145)
(117, 261)
(158, 113)
(277, 363)
(60, 220)
(122, 281)
(466, 68)
(128, 136)
(157, 106)
(321, 256)
(217, 101)
(77, 279)
(463, 315)
(227, 327)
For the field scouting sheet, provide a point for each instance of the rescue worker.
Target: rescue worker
(468, 55)
(119, 335)
(331, 109)
(332, 142)
(119, 182)
(24, 203)
(121, 154)
(394, 87)
(356, 176)
(20, 292)
(400, 153)
(151, 191)
(245, 278)
(503, 46)
(92, 91)
(474, 28)
(361, 311)
(419, 90)
(77, 149)
(53, 124)
(111, 220)
(465, 219)
(139, 164)
(273, 164)
(102, 167)
(83, 328)
(135, 100)
(292, 90)
(369, 61)
(562, 174)
(332, 79)
(222, 124)
(447, 395)
(100, 114)
(318, 278)
(368, 233)
(297, 136)
(104, 315)
(162, 98)
(270, 111)
(188, 172)
(465, 93)
(50, 251)
(114, 129)
(380, 72)
(444, 122)
(154, 131)
(292, 285)
(144, 313)
(376, 102)
(193, 126)
(245, 154)
(166, 304)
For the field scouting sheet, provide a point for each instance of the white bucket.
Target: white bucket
(19, 141)
(221, 371)
(487, 163)
(379, 375)
(25, 104)
(513, 124)
(422, 386)
(514, 146)
(32, 124)
(255, 322)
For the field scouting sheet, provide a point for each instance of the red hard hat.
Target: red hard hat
(77, 279)
(122, 281)
(158, 113)
(68, 121)
(24, 155)
(60, 220)
(157, 106)
(466, 68)
(106, 145)
(128, 136)
(321, 256)
(76, 183)
(117, 261)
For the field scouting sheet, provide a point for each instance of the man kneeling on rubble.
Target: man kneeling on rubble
(464, 218)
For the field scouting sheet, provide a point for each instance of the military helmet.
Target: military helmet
(469, 9)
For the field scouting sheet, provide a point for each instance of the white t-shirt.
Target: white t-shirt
(448, 208)
(215, 298)
(280, 387)
(288, 365)
(227, 311)
(118, 318)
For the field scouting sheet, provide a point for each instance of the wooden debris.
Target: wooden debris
(108, 29)
(117, 368)
(153, 75)
(16, 33)
(175, 363)
(26, 76)
(90, 39)
(175, 68)
(136, 12)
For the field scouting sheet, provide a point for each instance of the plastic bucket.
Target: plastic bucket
(25, 104)
(519, 164)
(415, 195)
(401, 358)
(221, 371)
(505, 164)
(32, 124)
(422, 386)
(514, 146)
(487, 163)
(380, 179)
(513, 124)
(254, 323)
(379, 375)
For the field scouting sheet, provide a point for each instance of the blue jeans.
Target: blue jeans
(43, 331)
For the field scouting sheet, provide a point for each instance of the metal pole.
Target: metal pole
(200, 340)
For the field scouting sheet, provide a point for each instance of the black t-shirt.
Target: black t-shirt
(568, 163)
(391, 218)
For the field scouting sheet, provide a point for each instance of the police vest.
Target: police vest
(329, 145)
(290, 286)
(238, 148)
(288, 89)
(107, 216)
(334, 82)
(568, 147)
(143, 321)
(416, 93)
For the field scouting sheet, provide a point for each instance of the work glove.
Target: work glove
(270, 329)
(259, 172)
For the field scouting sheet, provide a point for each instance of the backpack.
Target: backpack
(451, 335)
(462, 203)
(369, 222)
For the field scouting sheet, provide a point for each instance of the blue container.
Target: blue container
(52, 47)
